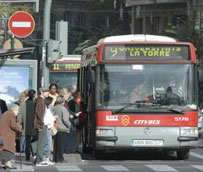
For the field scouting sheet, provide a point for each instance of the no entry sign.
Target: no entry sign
(21, 24)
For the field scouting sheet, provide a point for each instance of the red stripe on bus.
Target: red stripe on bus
(107, 119)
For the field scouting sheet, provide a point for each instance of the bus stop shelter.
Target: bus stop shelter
(12, 52)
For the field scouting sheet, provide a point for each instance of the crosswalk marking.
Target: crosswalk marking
(68, 168)
(196, 155)
(24, 168)
(161, 168)
(114, 168)
(111, 168)
(199, 167)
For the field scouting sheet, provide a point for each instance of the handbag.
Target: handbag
(53, 131)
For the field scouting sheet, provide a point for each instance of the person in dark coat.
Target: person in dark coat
(39, 125)
(74, 110)
(8, 129)
(26, 119)
(3, 106)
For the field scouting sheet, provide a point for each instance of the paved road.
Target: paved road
(148, 162)
(132, 162)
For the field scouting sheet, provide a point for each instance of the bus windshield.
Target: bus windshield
(165, 84)
(63, 79)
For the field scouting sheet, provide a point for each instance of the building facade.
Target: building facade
(153, 16)
(70, 11)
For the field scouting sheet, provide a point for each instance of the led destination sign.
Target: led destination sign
(146, 52)
(64, 66)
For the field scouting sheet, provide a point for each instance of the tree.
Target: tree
(6, 10)
(83, 45)
(190, 30)
(105, 18)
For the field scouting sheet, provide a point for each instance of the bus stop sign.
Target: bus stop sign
(21, 24)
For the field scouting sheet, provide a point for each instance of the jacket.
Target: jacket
(63, 122)
(8, 128)
(3, 106)
(73, 107)
(26, 117)
(39, 113)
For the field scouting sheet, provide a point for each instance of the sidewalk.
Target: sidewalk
(26, 165)
(200, 143)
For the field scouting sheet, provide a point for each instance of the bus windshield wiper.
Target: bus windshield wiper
(137, 103)
(143, 104)
(175, 109)
(121, 109)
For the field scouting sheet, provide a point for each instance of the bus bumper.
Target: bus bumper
(125, 138)
(107, 138)
(187, 139)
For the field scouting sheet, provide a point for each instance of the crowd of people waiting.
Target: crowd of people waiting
(48, 123)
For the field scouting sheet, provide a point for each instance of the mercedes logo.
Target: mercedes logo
(147, 131)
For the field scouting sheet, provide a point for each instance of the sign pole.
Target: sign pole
(46, 37)
(12, 44)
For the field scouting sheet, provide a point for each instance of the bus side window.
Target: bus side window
(90, 88)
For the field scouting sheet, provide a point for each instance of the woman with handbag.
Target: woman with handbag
(63, 129)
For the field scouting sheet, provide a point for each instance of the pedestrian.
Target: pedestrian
(49, 123)
(171, 97)
(53, 90)
(8, 129)
(63, 128)
(39, 125)
(3, 107)
(66, 93)
(26, 119)
(23, 96)
(73, 90)
(74, 110)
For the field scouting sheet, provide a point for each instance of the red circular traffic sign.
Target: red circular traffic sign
(21, 24)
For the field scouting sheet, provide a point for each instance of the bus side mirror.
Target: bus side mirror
(200, 75)
(90, 76)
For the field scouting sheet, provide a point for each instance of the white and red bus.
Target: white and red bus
(140, 92)
(64, 71)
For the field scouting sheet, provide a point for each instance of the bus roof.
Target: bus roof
(137, 38)
(73, 57)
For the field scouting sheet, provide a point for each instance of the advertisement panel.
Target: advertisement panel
(13, 81)
(16, 76)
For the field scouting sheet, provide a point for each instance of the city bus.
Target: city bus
(140, 93)
(64, 71)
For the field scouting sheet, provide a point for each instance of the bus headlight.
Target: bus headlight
(189, 131)
(104, 132)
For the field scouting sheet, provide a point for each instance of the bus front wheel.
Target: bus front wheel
(86, 149)
(183, 154)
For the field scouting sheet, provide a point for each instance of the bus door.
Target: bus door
(89, 101)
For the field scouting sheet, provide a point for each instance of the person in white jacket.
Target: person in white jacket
(49, 119)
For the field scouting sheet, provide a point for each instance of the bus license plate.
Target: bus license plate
(147, 142)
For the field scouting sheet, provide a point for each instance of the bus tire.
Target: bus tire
(86, 149)
(183, 154)
(98, 154)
